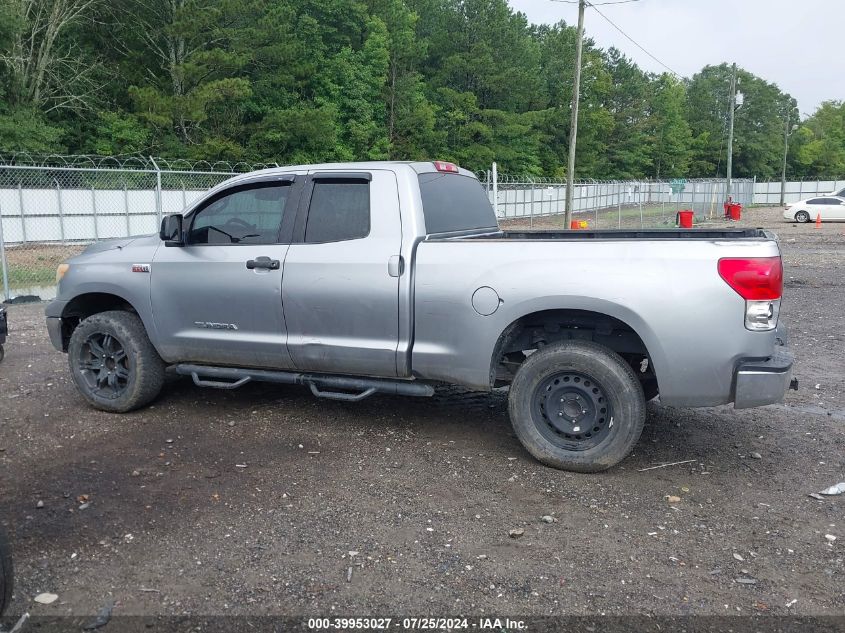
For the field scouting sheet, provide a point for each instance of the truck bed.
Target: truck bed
(630, 234)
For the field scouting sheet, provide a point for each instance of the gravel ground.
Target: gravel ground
(259, 501)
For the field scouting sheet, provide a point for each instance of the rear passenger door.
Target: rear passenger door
(341, 282)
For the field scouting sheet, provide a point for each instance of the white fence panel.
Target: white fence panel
(768, 193)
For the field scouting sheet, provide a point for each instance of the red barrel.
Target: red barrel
(685, 219)
(735, 211)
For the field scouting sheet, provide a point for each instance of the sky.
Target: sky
(796, 44)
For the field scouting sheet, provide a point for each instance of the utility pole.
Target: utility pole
(786, 132)
(731, 134)
(573, 127)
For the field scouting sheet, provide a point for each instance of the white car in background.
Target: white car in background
(828, 206)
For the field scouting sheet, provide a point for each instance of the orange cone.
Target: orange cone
(818, 220)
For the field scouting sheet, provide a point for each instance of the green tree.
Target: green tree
(758, 127)
(670, 138)
(358, 79)
(818, 146)
(629, 145)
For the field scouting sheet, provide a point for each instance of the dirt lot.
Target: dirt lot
(261, 499)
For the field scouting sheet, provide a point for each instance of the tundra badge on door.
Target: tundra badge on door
(216, 326)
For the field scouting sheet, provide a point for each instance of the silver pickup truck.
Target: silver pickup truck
(391, 277)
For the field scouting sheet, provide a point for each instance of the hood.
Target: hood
(121, 242)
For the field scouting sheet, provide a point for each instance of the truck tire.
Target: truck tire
(576, 405)
(6, 573)
(113, 363)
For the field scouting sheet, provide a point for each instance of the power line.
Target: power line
(631, 39)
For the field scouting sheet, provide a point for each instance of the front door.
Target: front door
(341, 282)
(218, 298)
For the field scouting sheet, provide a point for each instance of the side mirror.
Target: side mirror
(171, 230)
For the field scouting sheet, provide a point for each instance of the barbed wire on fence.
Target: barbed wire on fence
(128, 162)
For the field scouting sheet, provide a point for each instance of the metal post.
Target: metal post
(158, 189)
(94, 207)
(573, 127)
(783, 170)
(495, 189)
(640, 199)
(61, 210)
(692, 200)
(23, 219)
(596, 203)
(619, 205)
(731, 134)
(3, 262)
(126, 208)
(531, 220)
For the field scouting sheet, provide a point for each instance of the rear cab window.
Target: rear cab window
(454, 202)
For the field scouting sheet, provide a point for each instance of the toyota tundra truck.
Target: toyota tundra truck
(394, 277)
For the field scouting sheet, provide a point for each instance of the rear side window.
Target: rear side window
(339, 211)
(455, 203)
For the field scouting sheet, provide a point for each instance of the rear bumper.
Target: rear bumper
(763, 382)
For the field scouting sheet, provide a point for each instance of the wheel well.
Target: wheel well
(83, 306)
(534, 331)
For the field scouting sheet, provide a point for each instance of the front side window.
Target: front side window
(339, 211)
(816, 201)
(251, 214)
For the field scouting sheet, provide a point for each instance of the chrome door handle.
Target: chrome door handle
(263, 262)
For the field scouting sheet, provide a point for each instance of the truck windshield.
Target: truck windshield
(452, 202)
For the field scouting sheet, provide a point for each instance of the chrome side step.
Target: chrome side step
(344, 388)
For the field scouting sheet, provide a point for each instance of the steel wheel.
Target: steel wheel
(572, 411)
(104, 365)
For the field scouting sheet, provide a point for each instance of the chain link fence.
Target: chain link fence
(524, 202)
(52, 207)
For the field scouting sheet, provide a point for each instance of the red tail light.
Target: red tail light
(440, 165)
(753, 278)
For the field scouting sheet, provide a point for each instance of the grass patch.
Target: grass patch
(20, 277)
